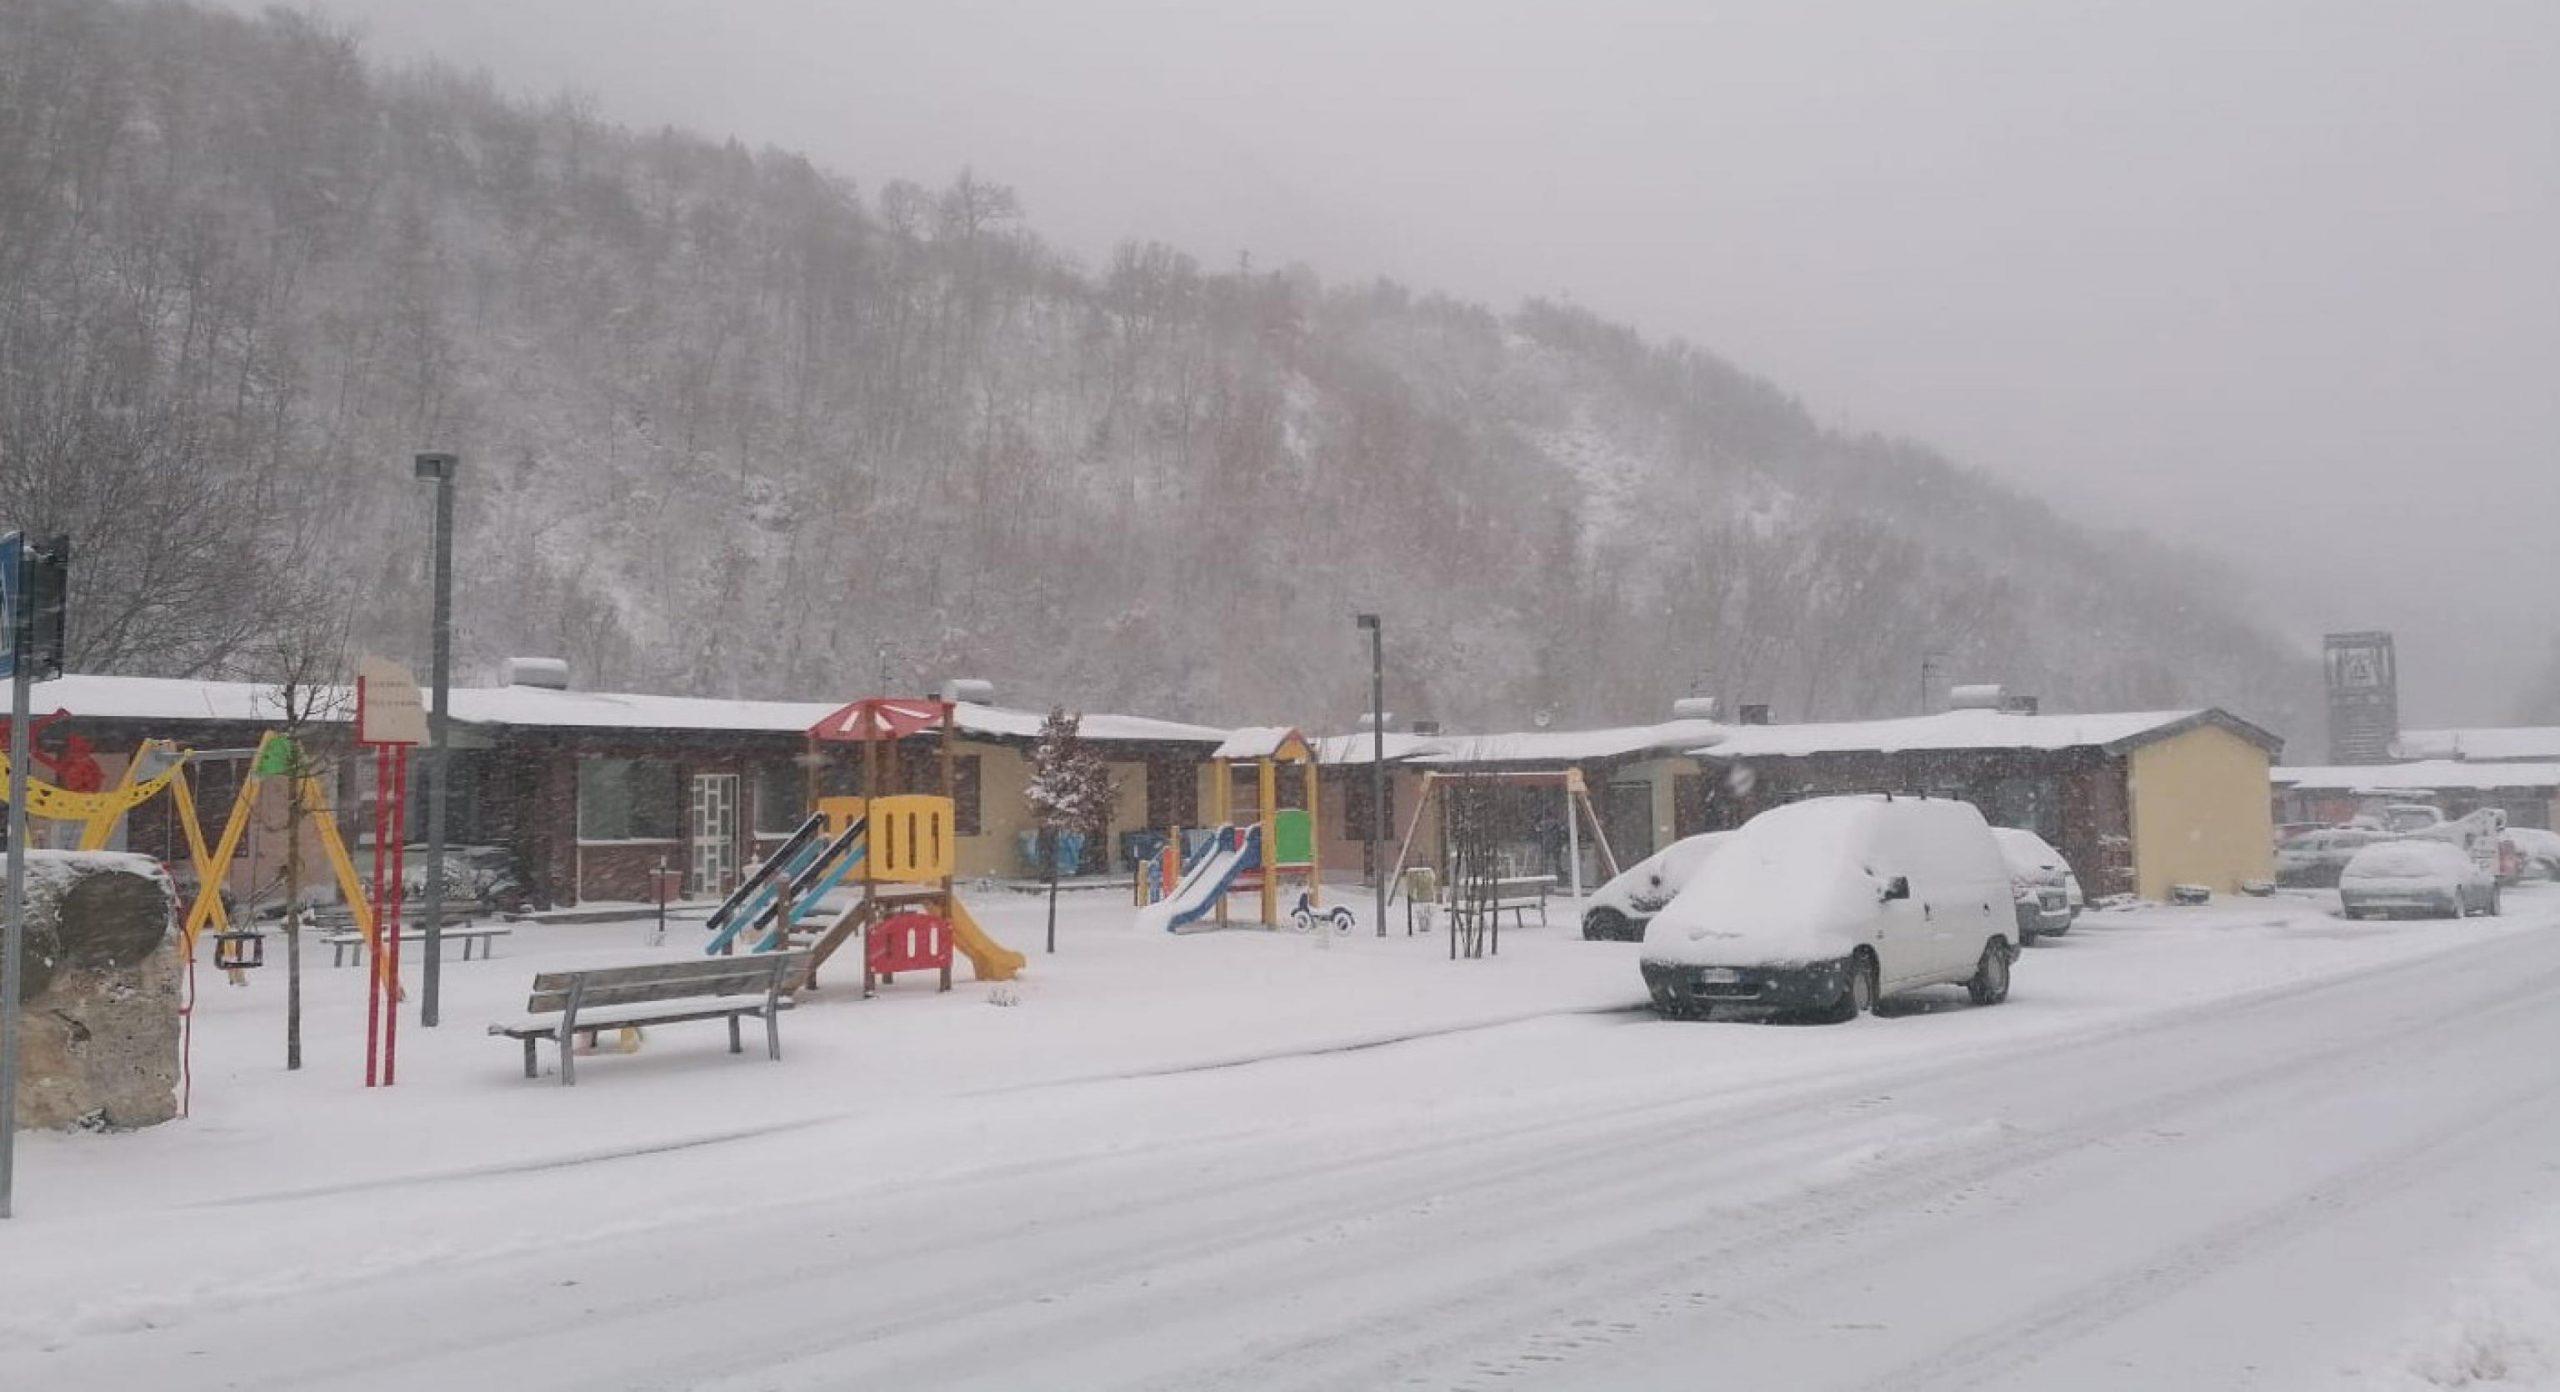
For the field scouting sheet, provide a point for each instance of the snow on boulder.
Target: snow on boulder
(98, 1027)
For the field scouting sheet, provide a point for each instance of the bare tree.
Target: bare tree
(304, 664)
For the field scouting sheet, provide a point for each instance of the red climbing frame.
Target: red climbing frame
(908, 940)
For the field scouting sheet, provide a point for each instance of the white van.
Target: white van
(1828, 905)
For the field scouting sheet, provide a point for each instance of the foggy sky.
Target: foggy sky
(2276, 278)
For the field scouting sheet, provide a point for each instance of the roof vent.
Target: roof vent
(544, 673)
(1985, 696)
(1369, 721)
(1694, 708)
(972, 689)
(1756, 713)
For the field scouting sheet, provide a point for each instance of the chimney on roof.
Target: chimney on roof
(976, 690)
(1694, 708)
(542, 673)
(1980, 696)
(1756, 713)
(1369, 721)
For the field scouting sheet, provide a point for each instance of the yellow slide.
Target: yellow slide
(989, 960)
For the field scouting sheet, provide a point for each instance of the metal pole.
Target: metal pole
(1377, 763)
(439, 467)
(12, 974)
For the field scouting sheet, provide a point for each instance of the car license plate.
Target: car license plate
(1719, 976)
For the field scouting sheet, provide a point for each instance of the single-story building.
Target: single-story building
(2514, 744)
(2136, 801)
(590, 791)
(2529, 793)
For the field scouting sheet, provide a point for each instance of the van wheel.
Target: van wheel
(1990, 983)
(1606, 925)
(1859, 995)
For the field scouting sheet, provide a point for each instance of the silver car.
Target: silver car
(2420, 876)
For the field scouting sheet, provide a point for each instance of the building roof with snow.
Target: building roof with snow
(192, 701)
(2423, 776)
(1522, 746)
(2488, 744)
(1963, 731)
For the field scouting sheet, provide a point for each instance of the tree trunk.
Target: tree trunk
(293, 924)
(1049, 862)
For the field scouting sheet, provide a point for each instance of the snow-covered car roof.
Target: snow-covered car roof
(2412, 858)
(2028, 853)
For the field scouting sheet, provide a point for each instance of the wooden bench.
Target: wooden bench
(347, 943)
(1514, 894)
(659, 993)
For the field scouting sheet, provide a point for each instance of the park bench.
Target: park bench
(346, 943)
(1512, 894)
(567, 1004)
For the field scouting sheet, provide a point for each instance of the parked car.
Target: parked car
(2421, 875)
(1830, 904)
(2313, 859)
(1621, 908)
(2046, 894)
(2537, 852)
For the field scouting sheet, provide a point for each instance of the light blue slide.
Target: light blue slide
(1234, 849)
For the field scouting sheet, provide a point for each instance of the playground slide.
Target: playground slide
(1206, 882)
(785, 860)
(813, 868)
(989, 960)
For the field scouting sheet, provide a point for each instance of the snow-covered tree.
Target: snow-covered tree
(1070, 791)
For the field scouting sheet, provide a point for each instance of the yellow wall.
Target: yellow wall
(1004, 773)
(2200, 813)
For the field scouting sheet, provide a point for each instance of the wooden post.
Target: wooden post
(1315, 838)
(1267, 776)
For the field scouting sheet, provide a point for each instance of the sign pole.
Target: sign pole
(439, 468)
(14, 616)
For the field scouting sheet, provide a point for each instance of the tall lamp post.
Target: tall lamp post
(1377, 763)
(439, 469)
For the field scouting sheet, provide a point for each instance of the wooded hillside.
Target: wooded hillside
(732, 425)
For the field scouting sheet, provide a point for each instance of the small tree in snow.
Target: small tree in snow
(1070, 792)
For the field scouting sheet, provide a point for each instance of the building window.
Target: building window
(782, 797)
(630, 800)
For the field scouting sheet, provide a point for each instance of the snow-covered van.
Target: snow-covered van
(1620, 909)
(1829, 904)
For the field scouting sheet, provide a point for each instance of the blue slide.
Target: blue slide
(1235, 849)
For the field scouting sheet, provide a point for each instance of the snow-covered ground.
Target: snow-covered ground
(2244, 1145)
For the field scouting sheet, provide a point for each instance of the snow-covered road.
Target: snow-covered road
(2154, 1168)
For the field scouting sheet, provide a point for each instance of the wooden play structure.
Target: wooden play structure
(1278, 844)
(897, 847)
(1437, 788)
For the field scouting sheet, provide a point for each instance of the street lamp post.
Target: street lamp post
(438, 468)
(1377, 763)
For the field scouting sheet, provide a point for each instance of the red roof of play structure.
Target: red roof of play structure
(881, 718)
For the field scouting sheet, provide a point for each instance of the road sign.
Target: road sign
(13, 552)
(388, 707)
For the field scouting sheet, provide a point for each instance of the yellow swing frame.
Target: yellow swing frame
(212, 870)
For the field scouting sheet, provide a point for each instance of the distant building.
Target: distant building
(2364, 697)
